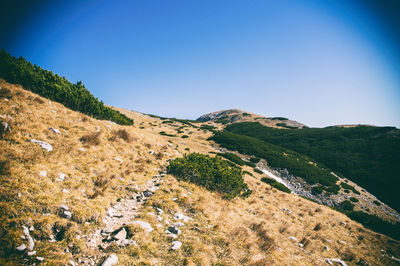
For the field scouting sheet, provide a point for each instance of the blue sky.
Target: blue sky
(318, 62)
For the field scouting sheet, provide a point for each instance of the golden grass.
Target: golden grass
(252, 231)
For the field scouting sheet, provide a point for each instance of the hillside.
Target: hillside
(236, 116)
(366, 155)
(102, 191)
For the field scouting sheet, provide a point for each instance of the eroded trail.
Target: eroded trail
(120, 215)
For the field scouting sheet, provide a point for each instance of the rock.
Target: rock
(292, 238)
(64, 207)
(65, 191)
(301, 245)
(31, 228)
(40, 258)
(111, 260)
(326, 248)
(147, 193)
(31, 253)
(169, 235)
(121, 235)
(118, 159)
(146, 226)
(176, 245)
(67, 214)
(180, 216)
(21, 247)
(31, 243)
(44, 145)
(82, 149)
(55, 130)
(151, 152)
(174, 230)
(5, 127)
(330, 261)
(72, 263)
(287, 210)
(178, 224)
(43, 173)
(61, 177)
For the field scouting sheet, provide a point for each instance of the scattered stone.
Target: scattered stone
(330, 261)
(5, 126)
(121, 235)
(61, 177)
(31, 228)
(151, 152)
(287, 210)
(21, 247)
(65, 191)
(31, 243)
(67, 214)
(159, 218)
(55, 130)
(180, 216)
(111, 260)
(169, 235)
(176, 245)
(40, 259)
(178, 224)
(174, 230)
(64, 207)
(146, 226)
(43, 173)
(44, 145)
(301, 245)
(326, 248)
(72, 263)
(31, 253)
(82, 149)
(118, 159)
(147, 193)
(292, 238)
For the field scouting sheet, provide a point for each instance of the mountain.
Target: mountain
(75, 189)
(237, 116)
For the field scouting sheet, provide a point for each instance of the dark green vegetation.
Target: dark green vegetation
(366, 155)
(258, 171)
(353, 199)
(278, 157)
(56, 88)
(279, 118)
(275, 184)
(213, 173)
(208, 127)
(285, 126)
(163, 133)
(349, 187)
(236, 159)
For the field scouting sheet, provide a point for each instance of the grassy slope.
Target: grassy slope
(242, 231)
(367, 155)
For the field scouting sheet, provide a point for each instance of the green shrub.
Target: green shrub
(246, 114)
(255, 159)
(56, 88)
(163, 133)
(346, 191)
(278, 118)
(353, 199)
(258, 171)
(346, 205)
(213, 173)
(233, 158)
(184, 136)
(275, 184)
(223, 121)
(247, 173)
(377, 203)
(317, 190)
(349, 187)
(208, 127)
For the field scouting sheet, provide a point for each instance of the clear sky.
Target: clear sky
(319, 62)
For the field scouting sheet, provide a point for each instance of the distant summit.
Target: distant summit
(237, 115)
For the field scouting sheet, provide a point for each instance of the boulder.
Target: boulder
(55, 130)
(339, 261)
(180, 216)
(31, 243)
(111, 260)
(44, 145)
(21, 247)
(64, 207)
(43, 173)
(176, 245)
(174, 230)
(67, 214)
(5, 127)
(120, 235)
(61, 177)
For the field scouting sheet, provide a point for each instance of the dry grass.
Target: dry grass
(122, 134)
(253, 231)
(91, 138)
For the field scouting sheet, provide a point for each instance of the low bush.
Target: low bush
(346, 205)
(91, 138)
(255, 159)
(122, 134)
(349, 187)
(213, 173)
(233, 158)
(317, 190)
(258, 171)
(275, 184)
(353, 199)
(377, 203)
